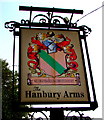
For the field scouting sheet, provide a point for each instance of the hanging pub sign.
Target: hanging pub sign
(52, 66)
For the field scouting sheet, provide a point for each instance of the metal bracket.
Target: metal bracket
(48, 20)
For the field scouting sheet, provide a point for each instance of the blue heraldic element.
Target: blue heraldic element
(52, 47)
(47, 42)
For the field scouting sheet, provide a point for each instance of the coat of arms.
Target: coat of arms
(52, 60)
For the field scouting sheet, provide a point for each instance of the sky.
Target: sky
(9, 11)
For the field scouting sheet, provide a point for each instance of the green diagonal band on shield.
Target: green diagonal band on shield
(52, 62)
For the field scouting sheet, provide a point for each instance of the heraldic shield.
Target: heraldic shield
(52, 60)
(53, 64)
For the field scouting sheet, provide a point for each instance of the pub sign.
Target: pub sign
(52, 68)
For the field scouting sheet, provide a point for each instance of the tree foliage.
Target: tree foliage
(8, 112)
